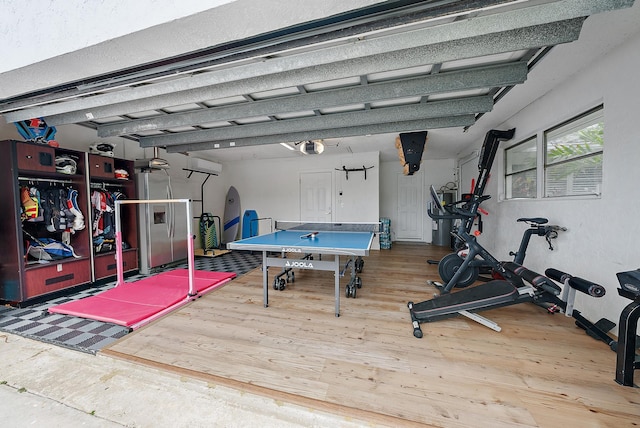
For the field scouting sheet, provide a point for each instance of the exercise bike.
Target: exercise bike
(482, 269)
(466, 210)
(458, 271)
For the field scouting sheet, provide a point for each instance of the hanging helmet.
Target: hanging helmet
(103, 149)
(66, 164)
(118, 195)
(121, 174)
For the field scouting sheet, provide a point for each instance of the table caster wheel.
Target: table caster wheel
(359, 265)
(359, 282)
(282, 284)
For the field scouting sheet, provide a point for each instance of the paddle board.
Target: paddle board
(231, 215)
(249, 224)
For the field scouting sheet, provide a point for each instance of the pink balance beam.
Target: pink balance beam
(134, 304)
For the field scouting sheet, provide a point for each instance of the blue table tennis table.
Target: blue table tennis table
(296, 243)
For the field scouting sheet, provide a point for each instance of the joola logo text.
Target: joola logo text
(303, 265)
(291, 250)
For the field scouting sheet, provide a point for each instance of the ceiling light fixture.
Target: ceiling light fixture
(311, 147)
(288, 146)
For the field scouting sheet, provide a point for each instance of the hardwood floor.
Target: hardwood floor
(540, 371)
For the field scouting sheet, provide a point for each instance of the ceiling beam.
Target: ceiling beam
(447, 42)
(479, 77)
(350, 131)
(558, 10)
(526, 16)
(454, 107)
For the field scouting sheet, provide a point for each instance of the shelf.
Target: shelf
(33, 165)
(100, 179)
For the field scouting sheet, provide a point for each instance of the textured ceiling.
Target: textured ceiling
(349, 80)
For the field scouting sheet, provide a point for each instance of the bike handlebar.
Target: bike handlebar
(549, 231)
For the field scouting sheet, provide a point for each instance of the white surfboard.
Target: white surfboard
(231, 216)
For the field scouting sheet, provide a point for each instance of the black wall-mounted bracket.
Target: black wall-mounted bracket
(208, 175)
(348, 170)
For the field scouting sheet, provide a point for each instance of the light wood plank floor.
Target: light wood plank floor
(540, 371)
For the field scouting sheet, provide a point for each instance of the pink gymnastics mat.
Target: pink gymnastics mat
(134, 304)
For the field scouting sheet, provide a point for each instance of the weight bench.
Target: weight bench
(493, 294)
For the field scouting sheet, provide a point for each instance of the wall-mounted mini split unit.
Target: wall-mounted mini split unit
(202, 165)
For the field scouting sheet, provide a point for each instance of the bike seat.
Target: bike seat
(535, 220)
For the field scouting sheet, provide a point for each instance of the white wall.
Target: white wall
(432, 172)
(272, 187)
(602, 230)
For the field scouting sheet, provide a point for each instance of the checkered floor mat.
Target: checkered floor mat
(90, 336)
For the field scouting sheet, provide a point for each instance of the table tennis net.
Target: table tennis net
(328, 226)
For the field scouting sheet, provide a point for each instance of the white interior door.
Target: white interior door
(410, 210)
(315, 196)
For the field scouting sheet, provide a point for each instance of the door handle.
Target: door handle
(169, 214)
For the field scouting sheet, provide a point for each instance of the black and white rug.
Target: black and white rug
(90, 336)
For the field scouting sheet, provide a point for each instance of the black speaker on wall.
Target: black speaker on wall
(412, 144)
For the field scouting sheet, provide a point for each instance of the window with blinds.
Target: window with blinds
(573, 156)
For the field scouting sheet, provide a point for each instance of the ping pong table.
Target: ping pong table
(306, 239)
